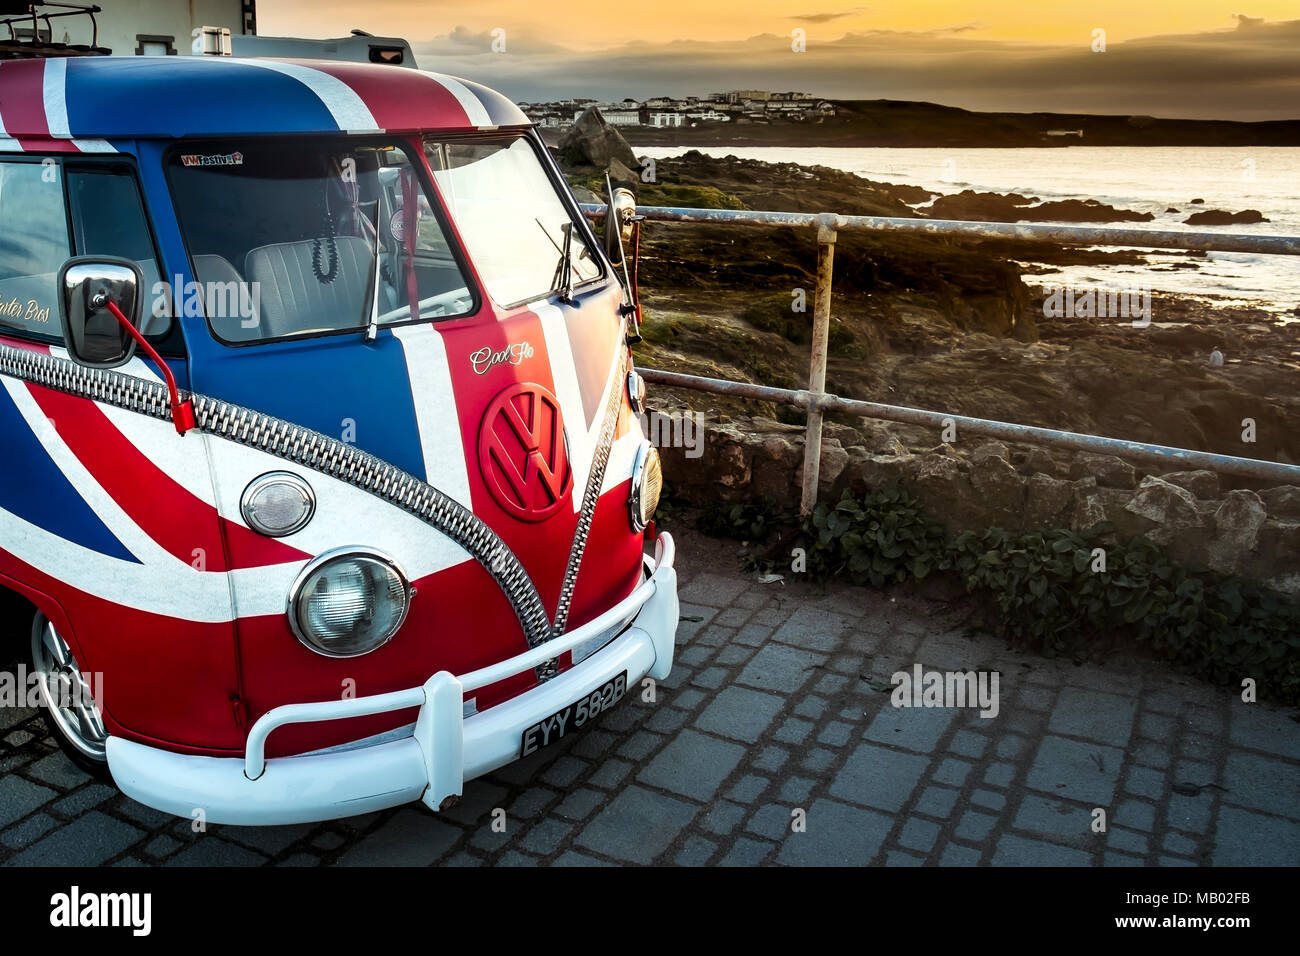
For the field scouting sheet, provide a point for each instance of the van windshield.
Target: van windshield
(511, 217)
(306, 237)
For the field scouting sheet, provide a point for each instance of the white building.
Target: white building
(707, 116)
(667, 119)
(141, 27)
(621, 117)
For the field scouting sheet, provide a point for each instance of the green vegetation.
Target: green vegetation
(694, 197)
(775, 313)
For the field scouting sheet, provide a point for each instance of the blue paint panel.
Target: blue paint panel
(317, 382)
(147, 97)
(33, 488)
(323, 383)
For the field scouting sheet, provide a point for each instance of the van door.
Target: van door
(109, 512)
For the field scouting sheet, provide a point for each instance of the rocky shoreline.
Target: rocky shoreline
(959, 326)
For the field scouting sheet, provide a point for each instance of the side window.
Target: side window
(108, 219)
(33, 245)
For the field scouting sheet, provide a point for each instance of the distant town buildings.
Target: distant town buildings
(665, 112)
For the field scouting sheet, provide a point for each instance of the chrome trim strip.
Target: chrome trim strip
(591, 495)
(307, 448)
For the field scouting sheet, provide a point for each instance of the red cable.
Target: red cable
(409, 224)
(182, 411)
(636, 262)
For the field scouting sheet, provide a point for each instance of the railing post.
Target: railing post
(812, 449)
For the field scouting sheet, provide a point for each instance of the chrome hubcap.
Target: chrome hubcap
(64, 691)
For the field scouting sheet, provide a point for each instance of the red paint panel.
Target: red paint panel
(400, 100)
(23, 107)
(165, 510)
(24, 344)
(48, 145)
(459, 621)
(165, 680)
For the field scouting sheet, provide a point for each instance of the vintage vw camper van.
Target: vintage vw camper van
(325, 488)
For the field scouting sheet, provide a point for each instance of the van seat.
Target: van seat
(214, 270)
(294, 300)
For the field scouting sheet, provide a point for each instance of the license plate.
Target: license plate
(576, 715)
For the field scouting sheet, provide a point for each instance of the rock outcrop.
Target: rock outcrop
(591, 141)
(1218, 217)
(1013, 207)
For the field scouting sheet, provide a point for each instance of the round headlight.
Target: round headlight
(647, 483)
(277, 503)
(348, 602)
(635, 392)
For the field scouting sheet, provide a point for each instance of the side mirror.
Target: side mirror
(94, 336)
(618, 223)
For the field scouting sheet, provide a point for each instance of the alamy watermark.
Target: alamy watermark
(235, 299)
(678, 429)
(1099, 302)
(922, 688)
(22, 688)
(78, 908)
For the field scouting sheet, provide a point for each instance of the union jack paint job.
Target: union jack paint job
(130, 537)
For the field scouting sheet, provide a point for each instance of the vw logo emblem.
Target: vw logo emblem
(523, 453)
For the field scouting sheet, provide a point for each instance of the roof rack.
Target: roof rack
(19, 15)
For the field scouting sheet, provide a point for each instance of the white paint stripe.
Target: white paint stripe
(473, 107)
(181, 593)
(54, 89)
(435, 410)
(344, 516)
(564, 374)
(94, 145)
(622, 456)
(175, 455)
(348, 109)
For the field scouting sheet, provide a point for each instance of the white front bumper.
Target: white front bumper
(443, 749)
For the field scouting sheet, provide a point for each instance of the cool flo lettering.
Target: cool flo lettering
(485, 359)
(29, 311)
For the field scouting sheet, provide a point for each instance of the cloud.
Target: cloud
(1245, 23)
(1230, 73)
(462, 41)
(826, 17)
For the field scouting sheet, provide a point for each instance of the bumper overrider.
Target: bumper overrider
(428, 761)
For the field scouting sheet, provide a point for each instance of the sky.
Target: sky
(1178, 58)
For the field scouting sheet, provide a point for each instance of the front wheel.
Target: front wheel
(70, 710)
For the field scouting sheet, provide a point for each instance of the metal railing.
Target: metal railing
(818, 402)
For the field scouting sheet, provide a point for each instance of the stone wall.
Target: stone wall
(985, 483)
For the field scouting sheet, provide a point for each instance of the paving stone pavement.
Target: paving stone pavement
(774, 741)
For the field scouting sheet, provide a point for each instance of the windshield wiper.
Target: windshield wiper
(562, 280)
(372, 325)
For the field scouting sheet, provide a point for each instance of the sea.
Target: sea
(1146, 179)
